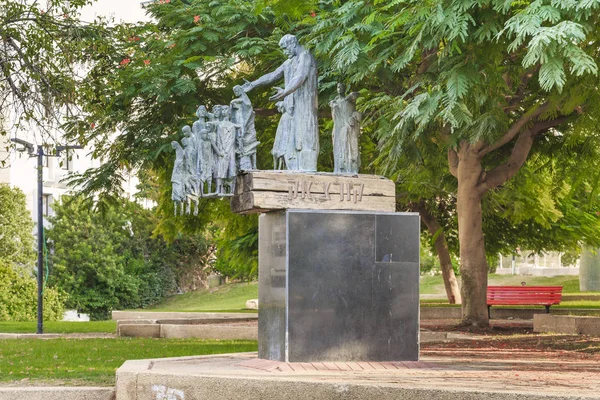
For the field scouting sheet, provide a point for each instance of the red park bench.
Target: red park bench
(524, 295)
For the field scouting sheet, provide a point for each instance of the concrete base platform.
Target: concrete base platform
(243, 376)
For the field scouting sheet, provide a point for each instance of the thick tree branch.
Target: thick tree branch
(14, 88)
(543, 126)
(514, 100)
(453, 162)
(429, 58)
(519, 153)
(514, 129)
(478, 146)
(508, 169)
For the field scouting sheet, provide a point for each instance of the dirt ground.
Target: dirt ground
(513, 340)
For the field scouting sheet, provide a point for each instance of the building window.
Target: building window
(46, 201)
(66, 162)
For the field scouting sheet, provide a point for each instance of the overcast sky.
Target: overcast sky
(121, 10)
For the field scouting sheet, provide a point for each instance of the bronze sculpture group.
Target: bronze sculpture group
(212, 151)
(222, 142)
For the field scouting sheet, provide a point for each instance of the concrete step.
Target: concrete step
(57, 393)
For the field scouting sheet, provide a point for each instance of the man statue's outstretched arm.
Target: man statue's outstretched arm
(266, 79)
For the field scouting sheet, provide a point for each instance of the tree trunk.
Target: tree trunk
(473, 263)
(441, 248)
(473, 183)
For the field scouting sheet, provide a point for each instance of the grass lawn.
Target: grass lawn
(232, 297)
(59, 327)
(434, 285)
(565, 303)
(570, 284)
(94, 361)
(226, 298)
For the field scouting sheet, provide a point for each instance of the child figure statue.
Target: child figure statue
(178, 178)
(243, 114)
(226, 168)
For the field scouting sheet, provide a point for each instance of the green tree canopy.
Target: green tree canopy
(484, 79)
(42, 49)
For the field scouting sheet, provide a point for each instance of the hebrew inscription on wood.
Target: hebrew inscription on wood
(264, 191)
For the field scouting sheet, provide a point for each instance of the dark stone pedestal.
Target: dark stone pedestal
(338, 286)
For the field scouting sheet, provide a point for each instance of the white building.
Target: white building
(528, 263)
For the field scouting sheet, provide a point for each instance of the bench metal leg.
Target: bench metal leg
(547, 309)
(489, 312)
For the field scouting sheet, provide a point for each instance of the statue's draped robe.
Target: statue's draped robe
(243, 115)
(300, 77)
(206, 159)
(178, 176)
(197, 128)
(190, 146)
(284, 145)
(226, 167)
(346, 130)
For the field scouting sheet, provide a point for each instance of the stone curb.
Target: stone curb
(117, 315)
(567, 324)
(202, 331)
(57, 393)
(57, 336)
(428, 313)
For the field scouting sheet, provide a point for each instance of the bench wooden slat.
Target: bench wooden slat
(530, 294)
(543, 289)
(513, 302)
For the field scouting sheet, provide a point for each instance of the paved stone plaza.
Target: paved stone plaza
(243, 376)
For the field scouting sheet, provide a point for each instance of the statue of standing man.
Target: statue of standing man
(299, 73)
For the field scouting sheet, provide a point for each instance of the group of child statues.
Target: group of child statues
(212, 151)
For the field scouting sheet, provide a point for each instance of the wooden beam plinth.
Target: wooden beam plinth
(264, 191)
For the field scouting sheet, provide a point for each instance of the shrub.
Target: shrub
(111, 260)
(18, 296)
(16, 240)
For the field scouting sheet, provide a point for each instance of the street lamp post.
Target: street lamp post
(40, 219)
(40, 226)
